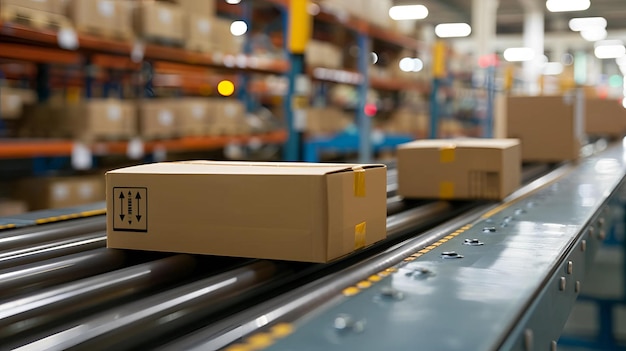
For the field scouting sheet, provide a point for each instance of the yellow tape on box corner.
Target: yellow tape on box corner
(446, 190)
(359, 181)
(447, 154)
(359, 235)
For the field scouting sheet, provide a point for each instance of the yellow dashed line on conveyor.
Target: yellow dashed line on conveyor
(351, 291)
(374, 278)
(260, 341)
(65, 217)
(281, 330)
(364, 284)
(93, 212)
(7, 226)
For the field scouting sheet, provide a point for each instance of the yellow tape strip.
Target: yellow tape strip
(93, 212)
(446, 190)
(447, 154)
(359, 235)
(7, 226)
(359, 182)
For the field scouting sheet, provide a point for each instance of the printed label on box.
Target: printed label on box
(130, 209)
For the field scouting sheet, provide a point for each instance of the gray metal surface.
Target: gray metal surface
(512, 292)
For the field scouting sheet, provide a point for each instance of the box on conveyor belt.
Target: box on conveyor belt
(546, 126)
(285, 211)
(605, 117)
(59, 192)
(459, 169)
(161, 21)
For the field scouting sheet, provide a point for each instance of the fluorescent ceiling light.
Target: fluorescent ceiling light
(238, 28)
(552, 68)
(453, 30)
(410, 64)
(609, 49)
(408, 12)
(594, 34)
(567, 5)
(584, 23)
(519, 54)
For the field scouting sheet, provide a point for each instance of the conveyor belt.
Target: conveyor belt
(137, 306)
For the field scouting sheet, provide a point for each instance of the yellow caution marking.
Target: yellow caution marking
(7, 226)
(416, 255)
(359, 235)
(444, 240)
(363, 284)
(391, 269)
(446, 190)
(448, 237)
(374, 278)
(431, 247)
(93, 212)
(383, 274)
(351, 291)
(409, 259)
(423, 251)
(359, 181)
(437, 244)
(260, 341)
(238, 347)
(281, 330)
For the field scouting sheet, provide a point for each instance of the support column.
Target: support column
(484, 14)
(533, 38)
(364, 122)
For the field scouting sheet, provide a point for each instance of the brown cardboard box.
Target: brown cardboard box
(326, 120)
(96, 119)
(195, 116)
(229, 117)
(13, 100)
(10, 207)
(605, 117)
(160, 20)
(40, 5)
(59, 192)
(225, 42)
(158, 118)
(546, 126)
(405, 121)
(110, 18)
(459, 169)
(198, 7)
(284, 211)
(199, 33)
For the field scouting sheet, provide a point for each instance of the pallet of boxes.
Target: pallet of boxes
(40, 14)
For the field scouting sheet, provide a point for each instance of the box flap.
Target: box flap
(244, 168)
(461, 143)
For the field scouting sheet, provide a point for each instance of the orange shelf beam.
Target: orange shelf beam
(13, 149)
(38, 54)
(397, 84)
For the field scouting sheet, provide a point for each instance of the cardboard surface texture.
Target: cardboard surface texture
(102, 17)
(546, 126)
(605, 117)
(158, 118)
(160, 20)
(284, 211)
(60, 192)
(459, 169)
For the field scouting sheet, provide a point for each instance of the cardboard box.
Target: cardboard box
(459, 169)
(12, 101)
(195, 116)
(199, 33)
(229, 117)
(326, 120)
(546, 126)
(605, 117)
(225, 42)
(158, 118)
(10, 207)
(60, 192)
(96, 119)
(52, 6)
(160, 20)
(109, 18)
(204, 8)
(283, 211)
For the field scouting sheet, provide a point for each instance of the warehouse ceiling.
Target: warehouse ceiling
(511, 14)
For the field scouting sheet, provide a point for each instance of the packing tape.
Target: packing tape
(359, 181)
(446, 190)
(447, 154)
(359, 235)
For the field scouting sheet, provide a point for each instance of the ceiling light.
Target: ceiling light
(567, 5)
(583, 23)
(238, 28)
(519, 54)
(609, 49)
(233, 2)
(594, 34)
(406, 64)
(552, 68)
(453, 30)
(408, 12)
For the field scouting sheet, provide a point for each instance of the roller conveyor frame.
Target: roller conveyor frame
(397, 223)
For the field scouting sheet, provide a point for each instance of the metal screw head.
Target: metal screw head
(391, 293)
(601, 222)
(473, 242)
(577, 286)
(583, 245)
(489, 229)
(569, 267)
(562, 283)
(450, 255)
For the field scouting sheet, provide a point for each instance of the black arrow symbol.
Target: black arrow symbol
(138, 216)
(121, 197)
(129, 222)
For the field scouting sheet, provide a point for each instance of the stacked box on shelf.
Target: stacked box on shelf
(605, 117)
(35, 13)
(59, 192)
(161, 22)
(158, 118)
(12, 101)
(323, 54)
(106, 18)
(406, 121)
(326, 120)
(195, 116)
(11, 207)
(225, 42)
(229, 117)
